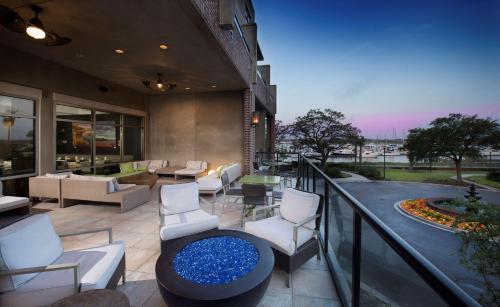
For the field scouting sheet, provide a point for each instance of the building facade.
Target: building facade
(87, 105)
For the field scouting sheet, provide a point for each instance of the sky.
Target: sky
(389, 66)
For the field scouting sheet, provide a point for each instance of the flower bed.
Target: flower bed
(419, 208)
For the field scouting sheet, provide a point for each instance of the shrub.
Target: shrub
(493, 175)
(333, 172)
(369, 172)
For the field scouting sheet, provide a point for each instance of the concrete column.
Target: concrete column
(248, 131)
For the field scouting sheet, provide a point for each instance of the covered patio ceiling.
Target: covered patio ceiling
(97, 28)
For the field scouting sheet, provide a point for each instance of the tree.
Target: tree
(281, 132)
(457, 136)
(421, 145)
(480, 249)
(323, 132)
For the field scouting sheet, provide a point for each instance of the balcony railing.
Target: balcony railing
(369, 262)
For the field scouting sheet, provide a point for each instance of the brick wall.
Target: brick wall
(232, 44)
(248, 132)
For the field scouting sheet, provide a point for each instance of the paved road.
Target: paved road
(439, 246)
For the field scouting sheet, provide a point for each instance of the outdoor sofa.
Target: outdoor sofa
(192, 169)
(102, 189)
(47, 186)
(13, 204)
(36, 271)
(212, 183)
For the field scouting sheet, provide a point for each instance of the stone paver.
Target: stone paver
(311, 285)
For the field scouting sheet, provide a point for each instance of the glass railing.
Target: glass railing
(370, 264)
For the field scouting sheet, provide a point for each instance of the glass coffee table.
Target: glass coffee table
(215, 268)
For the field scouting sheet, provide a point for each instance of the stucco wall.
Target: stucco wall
(198, 126)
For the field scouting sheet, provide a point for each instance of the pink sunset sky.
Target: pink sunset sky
(384, 125)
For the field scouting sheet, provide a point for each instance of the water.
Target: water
(389, 159)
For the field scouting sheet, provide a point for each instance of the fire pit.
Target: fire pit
(215, 268)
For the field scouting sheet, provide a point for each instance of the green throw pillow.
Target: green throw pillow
(127, 167)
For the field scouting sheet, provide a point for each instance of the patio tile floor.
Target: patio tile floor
(311, 284)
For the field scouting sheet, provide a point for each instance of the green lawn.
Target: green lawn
(483, 180)
(441, 176)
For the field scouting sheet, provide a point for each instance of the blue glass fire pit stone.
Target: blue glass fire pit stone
(216, 260)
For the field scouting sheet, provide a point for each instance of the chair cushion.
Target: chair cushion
(188, 171)
(28, 243)
(279, 233)
(97, 266)
(188, 223)
(62, 175)
(112, 183)
(155, 164)
(210, 183)
(298, 205)
(9, 201)
(178, 198)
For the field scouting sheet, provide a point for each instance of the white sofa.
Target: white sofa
(102, 189)
(193, 169)
(181, 214)
(212, 183)
(9, 203)
(37, 271)
(154, 165)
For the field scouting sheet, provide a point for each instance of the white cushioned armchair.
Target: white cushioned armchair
(181, 214)
(293, 233)
(35, 270)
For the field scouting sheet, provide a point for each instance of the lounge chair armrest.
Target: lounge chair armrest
(260, 208)
(75, 266)
(82, 232)
(296, 227)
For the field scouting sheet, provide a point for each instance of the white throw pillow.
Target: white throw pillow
(298, 205)
(178, 198)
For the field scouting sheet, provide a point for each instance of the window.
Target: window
(73, 144)
(17, 136)
(107, 138)
(132, 138)
(94, 139)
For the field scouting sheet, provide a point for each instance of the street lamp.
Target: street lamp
(384, 161)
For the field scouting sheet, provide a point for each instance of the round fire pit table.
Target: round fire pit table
(215, 268)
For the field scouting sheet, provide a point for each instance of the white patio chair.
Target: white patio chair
(293, 233)
(181, 214)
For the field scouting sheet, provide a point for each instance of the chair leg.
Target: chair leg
(242, 214)
(289, 280)
(318, 255)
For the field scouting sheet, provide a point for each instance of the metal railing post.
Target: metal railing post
(314, 181)
(356, 260)
(307, 175)
(327, 216)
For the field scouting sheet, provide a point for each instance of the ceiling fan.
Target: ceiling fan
(158, 85)
(33, 28)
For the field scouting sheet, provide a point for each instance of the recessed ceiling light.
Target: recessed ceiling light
(188, 88)
(164, 47)
(119, 51)
(214, 86)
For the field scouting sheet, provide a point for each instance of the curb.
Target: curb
(397, 206)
